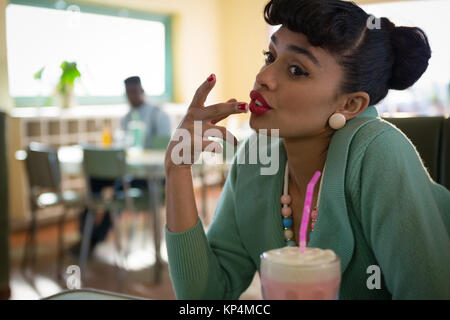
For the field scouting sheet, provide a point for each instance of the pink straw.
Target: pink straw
(307, 209)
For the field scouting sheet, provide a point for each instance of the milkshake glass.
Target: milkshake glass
(288, 274)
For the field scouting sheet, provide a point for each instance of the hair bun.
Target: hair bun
(412, 53)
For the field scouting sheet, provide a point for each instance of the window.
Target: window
(107, 45)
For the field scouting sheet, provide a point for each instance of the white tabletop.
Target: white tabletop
(140, 163)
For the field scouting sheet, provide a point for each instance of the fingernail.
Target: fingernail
(211, 78)
(242, 107)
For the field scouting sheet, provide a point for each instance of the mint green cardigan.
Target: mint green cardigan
(378, 206)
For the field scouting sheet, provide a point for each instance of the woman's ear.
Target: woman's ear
(353, 104)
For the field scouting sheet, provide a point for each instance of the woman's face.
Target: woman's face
(300, 84)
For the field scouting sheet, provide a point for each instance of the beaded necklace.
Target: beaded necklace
(286, 210)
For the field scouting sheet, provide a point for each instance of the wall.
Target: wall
(244, 35)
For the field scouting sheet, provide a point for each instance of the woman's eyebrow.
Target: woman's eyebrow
(298, 50)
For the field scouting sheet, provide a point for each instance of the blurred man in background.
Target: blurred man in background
(156, 122)
(144, 126)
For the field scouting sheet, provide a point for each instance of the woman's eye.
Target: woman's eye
(294, 70)
(269, 57)
(297, 71)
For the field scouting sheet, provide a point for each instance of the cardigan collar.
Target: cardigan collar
(333, 229)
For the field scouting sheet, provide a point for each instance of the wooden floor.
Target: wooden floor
(101, 272)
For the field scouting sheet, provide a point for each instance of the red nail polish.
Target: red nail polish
(242, 106)
(211, 78)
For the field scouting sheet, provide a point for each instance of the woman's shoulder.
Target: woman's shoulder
(379, 147)
(382, 138)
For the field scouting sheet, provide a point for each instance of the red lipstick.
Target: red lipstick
(258, 104)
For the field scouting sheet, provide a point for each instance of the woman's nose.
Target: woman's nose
(266, 78)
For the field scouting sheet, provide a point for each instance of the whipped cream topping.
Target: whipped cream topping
(289, 264)
(292, 256)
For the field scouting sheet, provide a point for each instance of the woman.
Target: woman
(325, 69)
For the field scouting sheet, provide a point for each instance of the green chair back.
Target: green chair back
(425, 134)
(43, 167)
(102, 163)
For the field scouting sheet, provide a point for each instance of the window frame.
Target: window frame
(165, 19)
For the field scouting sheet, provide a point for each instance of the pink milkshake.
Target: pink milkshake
(287, 274)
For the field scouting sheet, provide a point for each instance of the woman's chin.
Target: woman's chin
(267, 131)
(257, 125)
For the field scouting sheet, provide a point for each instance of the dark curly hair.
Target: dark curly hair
(373, 59)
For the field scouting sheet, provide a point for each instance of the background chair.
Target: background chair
(426, 135)
(44, 179)
(158, 143)
(4, 214)
(108, 164)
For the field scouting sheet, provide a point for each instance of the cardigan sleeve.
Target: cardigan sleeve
(405, 217)
(214, 265)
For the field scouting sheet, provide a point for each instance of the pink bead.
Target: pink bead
(314, 214)
(313, 225)
(286, 199)
(286, 212)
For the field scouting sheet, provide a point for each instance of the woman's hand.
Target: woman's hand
(205, 117)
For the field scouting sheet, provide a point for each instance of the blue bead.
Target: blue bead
(287, 222)
(291, 243)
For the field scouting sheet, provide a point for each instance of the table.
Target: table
(148, 165)
(139, 163)
(90, 294)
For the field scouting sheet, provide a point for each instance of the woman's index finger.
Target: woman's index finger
(202, 92)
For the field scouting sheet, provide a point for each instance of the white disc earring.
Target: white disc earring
(337, 121)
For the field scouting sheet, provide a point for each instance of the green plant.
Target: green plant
(67, 80)
(38, 75)
(64, 87)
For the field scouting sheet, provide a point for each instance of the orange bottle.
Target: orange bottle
(106, 136)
